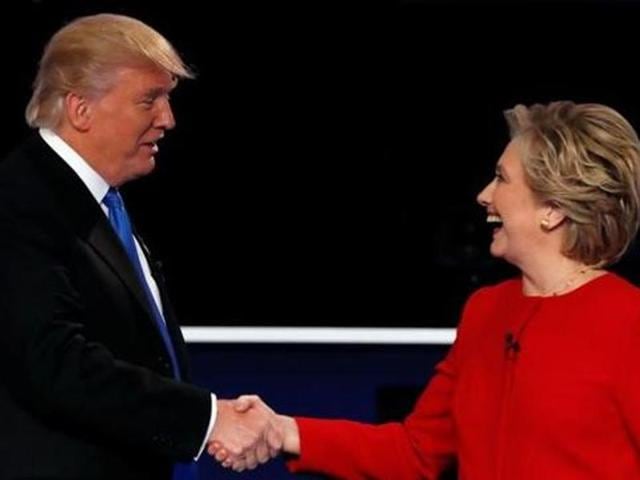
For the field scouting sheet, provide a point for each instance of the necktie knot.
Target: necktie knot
(120, 222)
(113, 200)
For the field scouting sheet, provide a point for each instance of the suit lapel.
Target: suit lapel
(105, 242)
(172, 324)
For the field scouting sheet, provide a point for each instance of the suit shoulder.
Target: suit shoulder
(18, 170)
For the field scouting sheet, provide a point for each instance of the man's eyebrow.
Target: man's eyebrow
(156, 92)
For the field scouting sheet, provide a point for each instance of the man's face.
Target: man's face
(128, 121)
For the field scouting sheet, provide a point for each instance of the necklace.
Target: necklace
(567, 282)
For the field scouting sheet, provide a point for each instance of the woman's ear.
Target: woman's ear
(552, 218)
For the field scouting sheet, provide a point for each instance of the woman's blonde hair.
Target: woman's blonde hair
(585, 160)
(84, 55)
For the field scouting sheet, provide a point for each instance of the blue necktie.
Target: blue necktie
(122, 226)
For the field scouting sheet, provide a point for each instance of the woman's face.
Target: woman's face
(513, 208)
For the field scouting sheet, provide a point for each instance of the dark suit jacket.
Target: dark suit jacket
(85, 381)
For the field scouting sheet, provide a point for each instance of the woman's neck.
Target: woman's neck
(556, 277)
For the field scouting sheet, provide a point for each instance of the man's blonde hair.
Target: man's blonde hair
(83, 56)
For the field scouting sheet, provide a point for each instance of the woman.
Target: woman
(540, 383)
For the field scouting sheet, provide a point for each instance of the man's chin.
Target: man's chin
(144, 168)
(148, 166)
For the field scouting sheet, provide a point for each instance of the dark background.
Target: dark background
(326, 159)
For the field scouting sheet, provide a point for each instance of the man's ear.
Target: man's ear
(78, 111)
(552, 217)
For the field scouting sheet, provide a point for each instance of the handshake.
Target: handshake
(248, 433)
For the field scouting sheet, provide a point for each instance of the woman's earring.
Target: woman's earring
(544, 224)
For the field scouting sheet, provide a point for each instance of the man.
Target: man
(93, 362)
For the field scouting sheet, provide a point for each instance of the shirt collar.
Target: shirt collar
(92, 179)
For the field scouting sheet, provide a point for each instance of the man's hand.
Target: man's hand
(246, 434)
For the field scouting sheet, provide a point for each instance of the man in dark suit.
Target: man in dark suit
(93, 382)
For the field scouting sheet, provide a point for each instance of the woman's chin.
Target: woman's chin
(496, 251)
